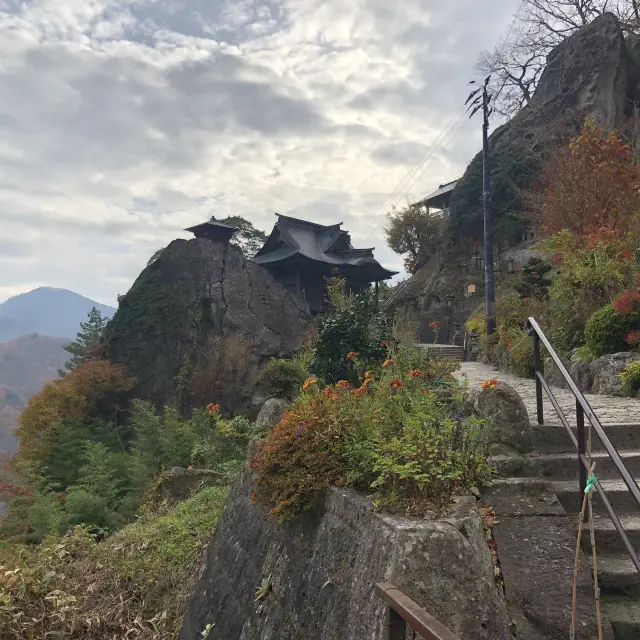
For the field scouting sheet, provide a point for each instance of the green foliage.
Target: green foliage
(512, 172)
(630, 378)
(168, 440)
(87, 340)
(415, 234)
(65, 587)
(282, 377)
(359, 329)
(532, 282)
(606, 331)
(88, 478)
(521, 359)
(85, 508)
(404, 434)
(247, 238)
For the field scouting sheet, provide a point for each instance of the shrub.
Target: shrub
(630, 378)
(402, 434)
(357, 329)
(65, 587)
(521, 356)
(606, 331)
(282, 378)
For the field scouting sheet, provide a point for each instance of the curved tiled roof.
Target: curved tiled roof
(327, 244)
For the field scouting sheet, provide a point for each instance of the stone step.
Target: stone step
(553, 438)
(607, 537)
(624, 616)
(561, 466)
(619, 496)
(617, 576)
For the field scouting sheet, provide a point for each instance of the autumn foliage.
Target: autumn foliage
(590, 188)
(94, 386)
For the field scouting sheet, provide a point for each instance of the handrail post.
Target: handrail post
(539, 371)
(582, 449)
(396, 624)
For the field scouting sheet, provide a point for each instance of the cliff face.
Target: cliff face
(319, 573)
(593, 73)
(199, 321)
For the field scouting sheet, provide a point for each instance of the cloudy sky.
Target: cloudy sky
(124, 121)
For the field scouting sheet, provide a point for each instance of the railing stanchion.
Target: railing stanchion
(582, 449)
(539, 372)
(397, 625)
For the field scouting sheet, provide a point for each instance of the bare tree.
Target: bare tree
(538, 26)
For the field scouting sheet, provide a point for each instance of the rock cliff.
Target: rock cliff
(198, 323)
(318, 573)
(593, 73)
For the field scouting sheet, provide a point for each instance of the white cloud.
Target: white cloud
(123, 121)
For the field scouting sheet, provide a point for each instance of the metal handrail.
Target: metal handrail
(582, 408)
(401, 610)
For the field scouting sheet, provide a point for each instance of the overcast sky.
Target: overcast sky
(124, 121)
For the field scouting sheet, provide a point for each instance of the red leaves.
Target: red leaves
(627, 303)
(593, 187)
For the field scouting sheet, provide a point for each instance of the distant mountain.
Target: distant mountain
(25, 365)
(47, 312)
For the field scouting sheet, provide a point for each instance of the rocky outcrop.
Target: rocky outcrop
(602, 376)
(590, 74)
(314, 578)
(199, 322)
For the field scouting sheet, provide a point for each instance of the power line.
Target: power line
(396, 193)
(426, 166)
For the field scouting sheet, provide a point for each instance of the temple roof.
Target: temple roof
(213, 229)
(327, 244)
(440, 196)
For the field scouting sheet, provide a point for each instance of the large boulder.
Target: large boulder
(271, 413)
(199, 322)
(507, 417)
(318, 573)
(606, 372)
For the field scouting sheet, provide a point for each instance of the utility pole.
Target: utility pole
(480, 99)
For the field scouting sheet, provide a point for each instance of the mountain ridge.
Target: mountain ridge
(47, 311)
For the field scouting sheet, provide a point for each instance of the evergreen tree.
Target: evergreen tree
(247, 238)
(88, 338)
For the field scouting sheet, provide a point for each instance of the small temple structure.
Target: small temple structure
(213, 230)
(300, 255)
(440, 199)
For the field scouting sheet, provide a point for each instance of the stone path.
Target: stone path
(609, 409)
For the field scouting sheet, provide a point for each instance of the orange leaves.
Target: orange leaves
(74, 396)
(592, 187)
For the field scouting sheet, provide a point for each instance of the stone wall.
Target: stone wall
(320, 572)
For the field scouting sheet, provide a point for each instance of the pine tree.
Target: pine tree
(87, 339)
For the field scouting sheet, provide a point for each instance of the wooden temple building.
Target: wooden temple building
(213, 230)
(301, 255)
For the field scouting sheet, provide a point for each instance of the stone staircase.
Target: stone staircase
(449, 351)
(554, 460)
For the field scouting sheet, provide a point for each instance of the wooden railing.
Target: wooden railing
(403, 612)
